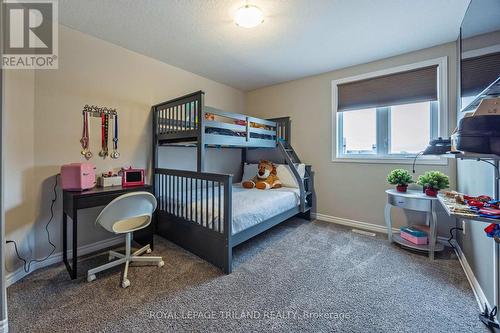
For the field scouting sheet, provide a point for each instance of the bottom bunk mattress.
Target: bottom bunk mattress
(250, 206)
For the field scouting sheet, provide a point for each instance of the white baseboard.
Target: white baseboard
(14, 276)
(4, 326)
(474, 283)
(352, 223)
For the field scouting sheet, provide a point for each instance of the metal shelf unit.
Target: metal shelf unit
(494, 161)
(448, 207)
(472, 156)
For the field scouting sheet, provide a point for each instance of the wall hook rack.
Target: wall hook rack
(105, 114)
(97, 111)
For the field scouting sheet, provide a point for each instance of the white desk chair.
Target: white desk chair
(124, 215)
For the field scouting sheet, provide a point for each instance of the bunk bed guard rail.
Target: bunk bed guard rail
(187, 119)
(195, 210)
(179, 118)
(283, 129)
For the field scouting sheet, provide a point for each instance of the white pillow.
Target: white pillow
(284, 173)
(249, 171)
(286, 176)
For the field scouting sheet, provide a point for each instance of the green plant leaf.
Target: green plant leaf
(399, 177)
(434, 179)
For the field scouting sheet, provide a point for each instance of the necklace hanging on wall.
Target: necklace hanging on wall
(115, 154)
(106, 114)
(104, 135)
(85, 140)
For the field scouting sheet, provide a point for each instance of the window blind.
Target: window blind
(413, 86)
(479, 72)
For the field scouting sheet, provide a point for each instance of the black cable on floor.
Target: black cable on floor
(451, 236)
(27, 264)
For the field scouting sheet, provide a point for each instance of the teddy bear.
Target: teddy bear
(266, 177)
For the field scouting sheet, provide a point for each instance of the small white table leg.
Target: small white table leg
(433, 231)
(388, 222)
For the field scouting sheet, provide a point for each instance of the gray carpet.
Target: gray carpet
(299, 276)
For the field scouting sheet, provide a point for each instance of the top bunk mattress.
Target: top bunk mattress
(250, 206)
(219, 131)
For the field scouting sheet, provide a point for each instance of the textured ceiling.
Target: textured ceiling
(298, 37)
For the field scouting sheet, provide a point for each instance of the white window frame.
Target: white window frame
(442, 126)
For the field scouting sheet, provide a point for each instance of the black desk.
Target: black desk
(73, 201)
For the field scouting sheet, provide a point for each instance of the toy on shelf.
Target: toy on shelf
(132, 177)
(493, 231)
(484, 205)
(414, 235)
(109, 179)
(78, 176)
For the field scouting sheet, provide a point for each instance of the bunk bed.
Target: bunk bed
(206, 213)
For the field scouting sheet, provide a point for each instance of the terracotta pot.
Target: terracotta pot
(401, 188)
(431, 192)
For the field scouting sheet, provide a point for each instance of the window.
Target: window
(422, 118)
(360, 132)
(389, 115)
(395, 130)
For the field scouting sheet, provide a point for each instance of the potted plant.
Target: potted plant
(433, 181)
(401, 178)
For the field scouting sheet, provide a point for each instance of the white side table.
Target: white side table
(418, 201)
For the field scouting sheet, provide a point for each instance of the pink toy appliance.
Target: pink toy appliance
(78, 176)
(132, 177)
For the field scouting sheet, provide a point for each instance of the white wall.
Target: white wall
(218, 160)
(352, 191)
(43, 117)
(477, 178)
(19, 161)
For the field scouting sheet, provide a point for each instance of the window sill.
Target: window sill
(391, 160)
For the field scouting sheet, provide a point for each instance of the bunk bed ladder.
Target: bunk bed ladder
(308, 187)
(305, 186)
(291, 152)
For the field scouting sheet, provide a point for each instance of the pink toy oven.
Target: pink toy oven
(132, 177)
(78, 176)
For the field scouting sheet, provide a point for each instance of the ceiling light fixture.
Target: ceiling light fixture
(249, 16)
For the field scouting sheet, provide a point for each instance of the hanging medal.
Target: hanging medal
(85, 140)
(106, 132)
(104, 135)
(115, 154)
(101, 153)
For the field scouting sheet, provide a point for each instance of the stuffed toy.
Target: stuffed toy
(257, 125)
(266, 177)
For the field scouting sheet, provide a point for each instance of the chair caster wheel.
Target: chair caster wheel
(91, 278)
(148, 251)
(125, 283)
(161, 263)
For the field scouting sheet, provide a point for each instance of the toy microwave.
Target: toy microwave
(132, 177)
(78, 176)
